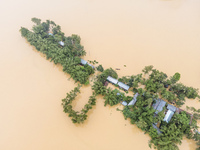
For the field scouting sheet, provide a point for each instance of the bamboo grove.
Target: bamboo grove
(150, 85)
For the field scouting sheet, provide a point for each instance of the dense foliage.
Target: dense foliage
(67, 55)
(77, 117)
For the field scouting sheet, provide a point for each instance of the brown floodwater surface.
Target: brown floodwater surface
(135, 33)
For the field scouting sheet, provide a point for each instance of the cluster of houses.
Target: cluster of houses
(159, 105)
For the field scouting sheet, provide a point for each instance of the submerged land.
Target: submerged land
(162, 119)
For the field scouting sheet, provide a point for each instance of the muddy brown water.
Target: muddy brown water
(163, 33)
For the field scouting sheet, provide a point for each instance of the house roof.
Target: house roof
(61, 43)
(168, 116)
(134, 100)
(160, 106)
(124, 86)
(83, 62)
(112, 80)
(124, 103)
(158, 130)
(171, 107)
(50, 34)
(155, 105)
(90, 65)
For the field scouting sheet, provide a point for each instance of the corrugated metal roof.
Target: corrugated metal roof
(61, 43)
(112, 80)
(123, 86)
(50, 34)
(171, 107)
(90, 65)
(168, 116)
(155, 105)
(160, 106)
(83, 62)
(134, 100)
(124, 103)
(158, 130)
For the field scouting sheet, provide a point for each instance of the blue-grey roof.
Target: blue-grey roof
(124, 103)
(171, 107)
(112, 80)
(90, 65)
(123, 86)
(134, 100)
(168, 116)
(160, 106)
(50, 34)
(61, 43)
(155, 105)
(158, 130)
(83, 62)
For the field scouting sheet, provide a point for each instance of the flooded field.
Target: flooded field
(162, 33)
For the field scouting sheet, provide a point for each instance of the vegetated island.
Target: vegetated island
(156, 101)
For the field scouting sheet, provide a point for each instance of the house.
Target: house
(160, 106)
(61, 43)
(155, 105)
(134, 100)
(50, 34)
(171, 107)
(83, 62)
(168, 116)
(155, 127)
(91, 65)
(124, 103)
(112, 80)
(123, 86)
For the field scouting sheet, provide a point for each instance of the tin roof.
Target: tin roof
(61, 43)
(90, 65)
(155, 105)
(112, 80)
(134, 100)
(50, 34)
(158, 130)
(171, 107)
(123, 86)
(83, 62)
(160, 106)
(124, 103)
(168, 116)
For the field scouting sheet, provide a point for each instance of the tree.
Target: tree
(36, 20)
(100, 68)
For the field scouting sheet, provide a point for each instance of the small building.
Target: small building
(123, 86)
(50, 34)
(124, 103)
(91, 65)
(160, 106)
(171, 107)
(134, 100)
(83, 62)
(155, 105)
(61, 43)
(112, 80)
(168, 116)
(155, 127)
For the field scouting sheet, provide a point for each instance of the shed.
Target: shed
(123, 86)
(83, 62)
(91, 65)
(61, 43)
(112, 80)
(124, 103)
(155, 127)
(134, 100)
(50, 34)
(155, 105)
(160, 106)
(168, 116)
(171, 107)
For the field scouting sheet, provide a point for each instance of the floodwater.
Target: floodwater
(135, 33)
